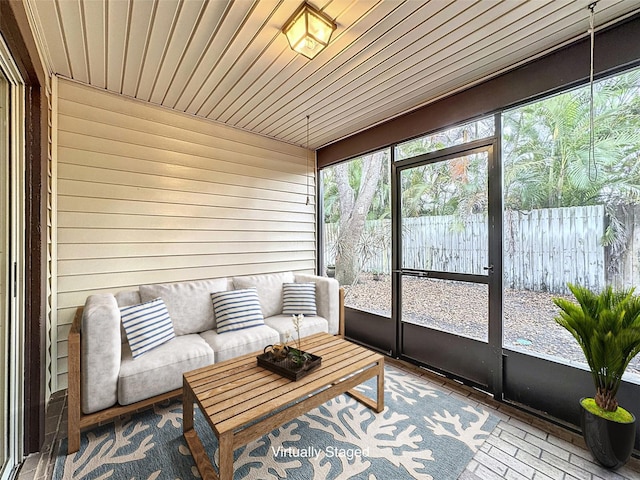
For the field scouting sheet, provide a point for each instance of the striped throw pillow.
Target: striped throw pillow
(299, 298)
(237, 310)
(147, 325)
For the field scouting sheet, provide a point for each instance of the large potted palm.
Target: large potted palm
(607, 327)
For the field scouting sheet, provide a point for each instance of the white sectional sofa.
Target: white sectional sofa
(108, 378)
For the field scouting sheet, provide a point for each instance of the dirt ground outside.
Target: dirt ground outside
(461, 308)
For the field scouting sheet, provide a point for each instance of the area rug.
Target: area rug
(423, 433)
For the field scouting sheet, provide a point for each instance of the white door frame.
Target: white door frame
(14, 413)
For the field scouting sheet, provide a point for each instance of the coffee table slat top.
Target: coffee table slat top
(204, 375)
(222, 389)
(214, 395)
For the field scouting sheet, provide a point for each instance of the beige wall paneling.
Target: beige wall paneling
(143, 194)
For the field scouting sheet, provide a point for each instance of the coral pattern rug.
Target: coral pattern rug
(423, 433)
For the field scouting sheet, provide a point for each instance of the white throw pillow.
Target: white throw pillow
(147, 325)
(299, 298)
(237, 310)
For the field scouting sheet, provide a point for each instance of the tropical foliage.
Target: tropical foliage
(453, 187)
(606, 325)
(546, 148)
(547, 163)
(352, 190)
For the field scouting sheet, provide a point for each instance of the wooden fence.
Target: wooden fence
(546, 248)
(543, 249)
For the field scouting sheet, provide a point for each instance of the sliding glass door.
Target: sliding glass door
(4, 276)
(11, 264)
(5, 363)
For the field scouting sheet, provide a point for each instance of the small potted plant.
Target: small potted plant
(607, 328)
(297, 356)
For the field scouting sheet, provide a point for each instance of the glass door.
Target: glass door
(12, 195)
(444, 260)
(4, 276)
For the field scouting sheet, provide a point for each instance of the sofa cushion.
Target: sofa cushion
(283, 324)
(147, 326)
(128, 297)
(100, 352)
(299, 298)
(161, 369)
(232, 344)
(269, 288)
(237, 310)
(189, 303)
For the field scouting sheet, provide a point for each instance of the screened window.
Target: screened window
(357, 230)
(569, 217)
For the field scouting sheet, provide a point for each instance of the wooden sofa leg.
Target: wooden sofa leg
(341, 296)
(73, 434)
(73, 391)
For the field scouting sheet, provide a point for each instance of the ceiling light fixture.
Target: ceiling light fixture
(308, 30)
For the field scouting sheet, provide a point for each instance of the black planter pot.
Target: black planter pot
(611, 443)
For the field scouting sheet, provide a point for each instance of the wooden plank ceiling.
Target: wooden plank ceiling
(228, 61)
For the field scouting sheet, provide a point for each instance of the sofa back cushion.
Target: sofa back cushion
(269, 287)
(126, 298)
(189, 303)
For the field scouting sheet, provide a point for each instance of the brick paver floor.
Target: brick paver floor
(521, 446)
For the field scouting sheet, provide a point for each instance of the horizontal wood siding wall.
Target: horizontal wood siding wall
(147, 195)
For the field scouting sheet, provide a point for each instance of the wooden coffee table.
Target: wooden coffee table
(238, 398)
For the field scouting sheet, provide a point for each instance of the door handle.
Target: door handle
(412, 273)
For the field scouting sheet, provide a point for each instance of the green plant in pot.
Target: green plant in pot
(607, 328)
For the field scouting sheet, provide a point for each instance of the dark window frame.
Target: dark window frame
(561, 71)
